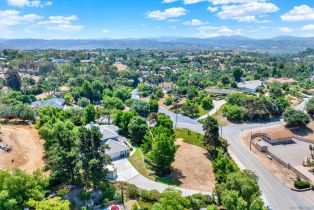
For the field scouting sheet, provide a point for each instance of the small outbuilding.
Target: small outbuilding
(278, 137)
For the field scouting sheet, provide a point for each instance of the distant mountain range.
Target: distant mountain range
(281, 44)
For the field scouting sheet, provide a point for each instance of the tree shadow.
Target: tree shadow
(302, 131)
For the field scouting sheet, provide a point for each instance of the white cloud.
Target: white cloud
(173, 12)
(64, 23)
(212, 9)
(28, 3)
(219, 2)
(105, 30)
(194, 22)
(299, 13)
(308, 27)
(247, 12)
(13, 17)
(214, 31)
(193, 1)
(285, 30)
(168, 1)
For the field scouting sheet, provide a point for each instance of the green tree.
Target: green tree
(122, 120)
(171, 199)
(240, 191)
(137, 129)
(68, 98)
(62, 152)
(17, 188)
(87, 90)
(98, 88)
(233, 113)
(92, 156)
(163, 152)
(89, 114)
(237, 73)
(83, 102)
(113, 103)
(207, 103)
(13, 80)
(211, 129)
(310, 107)
(153, 106)
(122, 93)
(296, 118)
(50, 204)
(275, 90)
(225, 79)
(142, 108)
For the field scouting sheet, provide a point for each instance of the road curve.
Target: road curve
(275, 194)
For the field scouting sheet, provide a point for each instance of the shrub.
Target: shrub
(84, 195)
(132, 191)
(105, 201)
(63, 192)
(234, 113)
(295, 118)
(300, 184)
(150, 195)
(168, 101)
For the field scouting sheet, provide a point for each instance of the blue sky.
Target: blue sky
(94, 19)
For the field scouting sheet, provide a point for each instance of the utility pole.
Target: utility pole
(251, 141)
(122, 195)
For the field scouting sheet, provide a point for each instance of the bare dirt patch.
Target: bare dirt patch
(27, 153)
(280, 172)
(192, 168)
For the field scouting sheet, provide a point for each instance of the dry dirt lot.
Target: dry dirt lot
(27, 153)
(192, 168)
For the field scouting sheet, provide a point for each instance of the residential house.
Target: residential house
(250, 86)
(53, 102)
(118, 147)
(166, 86)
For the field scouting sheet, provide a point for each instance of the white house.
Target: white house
(117, 144)
(117, 149)
(250, 86)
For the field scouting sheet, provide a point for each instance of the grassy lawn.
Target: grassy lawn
(138, 163)
(190, 137)
(217, 116)
(203, 111)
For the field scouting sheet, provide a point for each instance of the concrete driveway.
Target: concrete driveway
(127, 173)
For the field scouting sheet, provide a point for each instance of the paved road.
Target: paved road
(127, 173)
(275, 194)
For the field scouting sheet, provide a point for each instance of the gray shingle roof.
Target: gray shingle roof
(253, 84)
(115, 147)
(54, 102)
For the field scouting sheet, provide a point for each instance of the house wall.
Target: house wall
(277, 141)
(119, 154)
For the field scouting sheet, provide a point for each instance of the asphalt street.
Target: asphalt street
(275, 194)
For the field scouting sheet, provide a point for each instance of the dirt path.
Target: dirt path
(27, 153)
(192, 168)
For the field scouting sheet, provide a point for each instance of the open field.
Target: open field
(27, 153)
(192, 167)
(190, 137)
